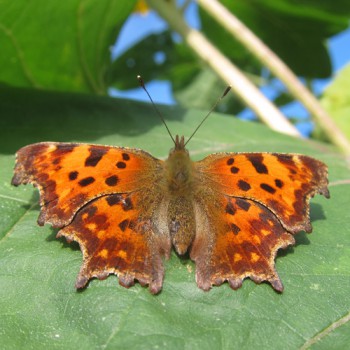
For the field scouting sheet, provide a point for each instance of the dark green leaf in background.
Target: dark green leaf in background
(39, 307)
(59, 45)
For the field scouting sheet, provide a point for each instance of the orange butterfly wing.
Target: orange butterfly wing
(282, 182)
(116, 238)
(99, 196)
(70, 175)
(252, 203)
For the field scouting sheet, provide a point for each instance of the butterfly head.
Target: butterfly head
(179, 143)
(179, 153)
(179, 150)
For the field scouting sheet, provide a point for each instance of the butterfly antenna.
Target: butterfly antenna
(142, 84)
(211, 110)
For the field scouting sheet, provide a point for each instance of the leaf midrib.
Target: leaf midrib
(326, 331)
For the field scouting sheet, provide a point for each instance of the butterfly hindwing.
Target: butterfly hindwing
(117, 236)
(244, 244)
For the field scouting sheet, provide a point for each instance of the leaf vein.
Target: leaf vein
(340, 322)
(13, 198)
(16, 223)
(85, 66)
(20, 55)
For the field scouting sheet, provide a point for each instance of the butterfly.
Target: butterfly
(231, 212)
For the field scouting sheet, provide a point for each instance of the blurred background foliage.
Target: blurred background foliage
(66, 46)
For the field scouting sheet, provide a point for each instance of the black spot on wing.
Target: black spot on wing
(63, 149)
(127, 204)
(95, 156)
(73, 175)
(113, 199)
(125, 156)
(112, 180)
(124, 224)
(286, 160)
(86, 181)
(267, 188)
(234, 228)
(230, 161)
(257, 162)
(121, 165)
(279, 183)
(230, 209)
(243, 204)
(243, 185)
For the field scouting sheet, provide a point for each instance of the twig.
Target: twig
(268, 58)
(241, 86)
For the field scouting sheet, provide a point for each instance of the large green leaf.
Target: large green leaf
(39, 307)
(61, 45)
(295, 29)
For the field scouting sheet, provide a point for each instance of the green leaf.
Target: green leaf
(294, 30)
(61, 45)
(39, 307)
(336, 100)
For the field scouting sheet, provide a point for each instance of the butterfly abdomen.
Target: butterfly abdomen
(181, 223)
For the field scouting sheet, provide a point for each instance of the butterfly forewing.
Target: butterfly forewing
(283, 183)
(70, 175)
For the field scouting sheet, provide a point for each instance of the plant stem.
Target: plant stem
(242, 87)
(268, 58)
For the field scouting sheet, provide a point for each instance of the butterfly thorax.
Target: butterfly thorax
(179, 172)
